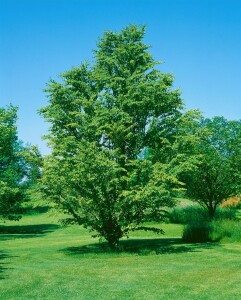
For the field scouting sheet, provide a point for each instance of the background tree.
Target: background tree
(102, 116)
(217, 176)
(19, 166)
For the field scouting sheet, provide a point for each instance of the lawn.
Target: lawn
(41, 260)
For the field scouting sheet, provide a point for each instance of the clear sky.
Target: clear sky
(199, 42)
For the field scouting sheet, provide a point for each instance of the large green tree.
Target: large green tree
(104, 118)
(19, 166)
(217, 176)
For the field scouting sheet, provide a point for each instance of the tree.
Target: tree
(102, 116)
(217, 176)
(19, 166)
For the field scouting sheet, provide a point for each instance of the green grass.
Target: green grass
(40, 260)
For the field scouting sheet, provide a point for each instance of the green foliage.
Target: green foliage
(192, 214)
(227, 213)
(212, 231)
(188, 214)
(217, 175)
(113, 164)
(199, 228)
(19, 166)
(227, 230)
(197, 232)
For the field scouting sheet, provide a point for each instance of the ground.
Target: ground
(39, 259)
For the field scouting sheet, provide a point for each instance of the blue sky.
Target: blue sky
(198, 41)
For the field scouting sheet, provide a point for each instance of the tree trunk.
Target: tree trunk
(113, 233)
(211, 211)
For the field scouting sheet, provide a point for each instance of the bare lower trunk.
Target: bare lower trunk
(113, 233)
(211, 211)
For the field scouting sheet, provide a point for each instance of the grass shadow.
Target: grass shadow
(26, 231)
(142, 247)
(29, 210)
(3, 256)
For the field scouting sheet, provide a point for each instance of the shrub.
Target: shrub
(227, 213)
(213, 231)
(189, 214)
(234, 202)
(198, 232)
(226, 230)
(199, 228)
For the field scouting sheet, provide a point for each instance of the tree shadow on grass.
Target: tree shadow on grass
(142, 247)
(26, 231)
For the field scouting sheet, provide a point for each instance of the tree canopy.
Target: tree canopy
(217, 176)
(19, 165)
(105, 117)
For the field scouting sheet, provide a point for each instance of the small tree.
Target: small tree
(217, 176)
(19, 166)
(102, 116)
